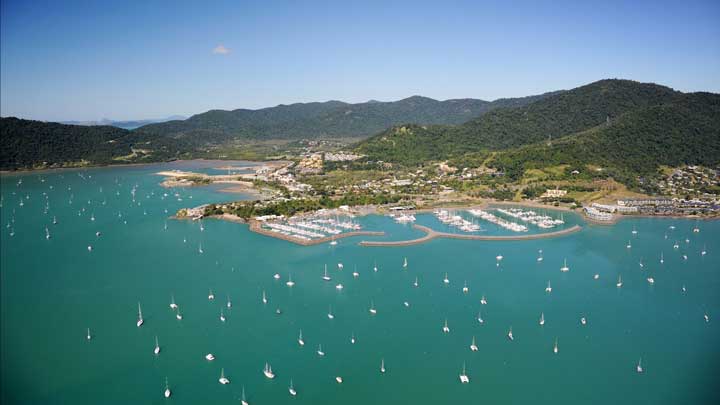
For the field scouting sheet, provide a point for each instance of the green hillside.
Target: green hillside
(32, 144)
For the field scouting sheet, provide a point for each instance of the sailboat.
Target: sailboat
(704, 251)
(542, 318)
(301, 342)
(634, 231)
(264, 298)
(167, 392)
(629, 245)
(662, 258)
(619, 282)
(88, 334)
(479, 317)
(320, 351)
(339, 379)
(382, 366)
(325, 276)
(243, 401)
(510, 335)
(483, 301)
(54, 221)
(209, 357)
(642, 265)
(330, 314)
(222, 315)
(355, 272)
(229, 303)
(707, 318)
(47, 233)
(290, 283)
(416, 282)
(465, 288)
(445, 328)
(268, 371)
(375, 268)
(372, 308)
(548, 288)
(200, 249)
(651, 280)
(405, 263)
(333, 242)
(178, 315)
(540, 255)
(211, 296)
(639, 367)
(463, 376)
(291, 390)
(339, 286)
(352, 338)
(140, 318)
(555, 348)
(583, 321)
(473, 346)
(446, 280)
(596, 276)
(565, 267)
(156, 351)
(173, 305)
(223, 380)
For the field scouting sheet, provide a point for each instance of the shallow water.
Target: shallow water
(52, 290)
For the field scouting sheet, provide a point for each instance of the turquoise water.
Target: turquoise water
(52, 290)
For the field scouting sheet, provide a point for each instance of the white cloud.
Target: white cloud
(221, 50)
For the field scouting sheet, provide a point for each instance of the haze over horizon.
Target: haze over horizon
(85, 62)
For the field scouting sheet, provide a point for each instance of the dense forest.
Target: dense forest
(36, 144)
(627, 126)
(332, 119)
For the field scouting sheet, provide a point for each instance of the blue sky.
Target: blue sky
(85, 60)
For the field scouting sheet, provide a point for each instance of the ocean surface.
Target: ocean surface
(52, 290)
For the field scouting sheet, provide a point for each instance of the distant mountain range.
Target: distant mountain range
(132, 124)
(627, 128)
(331, 119)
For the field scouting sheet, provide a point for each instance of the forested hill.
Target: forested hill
(629, 126)
(329, 119)
(36, 144)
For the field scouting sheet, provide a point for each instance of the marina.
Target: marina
(399, 310)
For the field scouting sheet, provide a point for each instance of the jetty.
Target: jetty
(256, 226)
(431, 234)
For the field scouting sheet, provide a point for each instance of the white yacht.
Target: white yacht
(173, 305)
(629, 245)
(540, 255)
(639, 367)
(320, 351)
(339, 286)
(291, 389)
(483, 301)
(375, 268)
(223, 380)
(583, 321)
(619, 282)
(200, 249)
(596, 276)
(473, 346)
(651, 280)
(704, 251)
(325, 275)
(465, 288)
(301, 342)
(243, 401)
(340, 266)
(382, 366)
(372, 308)
(415, 283)
(290, 283)
(88, 334)
(268, 371)
(229, 303)
(222, 315)
(352, 338)
(548, 288)
(463, 376)
(276, 276)
(446, 280)
(209, 357)
(140, 318)
(156, 351)
(565, 267)
(330, 314)
(445, 328)
(211, 296)
(555, 347)
(479, 317)
(355, 272)
(542, 318)
(167, 392)
(634, 231)
(339, 379)
(662, 258)
(707, 318)
(510, 334)
(264, 298)
(405, 263)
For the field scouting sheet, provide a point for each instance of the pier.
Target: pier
(431, 234)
